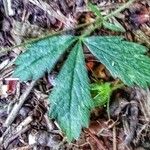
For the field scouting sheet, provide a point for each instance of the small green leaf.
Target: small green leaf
(41, 56)
(95, 9)
(101, 93)
(70, 100)
(114, 27)
(125, 60)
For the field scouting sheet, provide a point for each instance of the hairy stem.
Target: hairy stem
(44, 37)
(97, 22)
(100, 20)
(121, 8)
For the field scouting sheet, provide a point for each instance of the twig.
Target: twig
(24, 147)
(49, 123)
(121, 8)
(4, 134)
(18, 105)
(139, 133)
(114, 139)
(22, 127)
(44, 37)
(6, 143)
(99, 145)
(78, 27)
(98, 22)
(24, 123)
(7, 7)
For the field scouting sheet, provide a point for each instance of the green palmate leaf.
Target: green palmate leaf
(125, 60)
(101, 93)
(41, 56)
(70, 99)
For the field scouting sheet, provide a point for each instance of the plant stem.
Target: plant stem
(118, 86)
(121, 8)
(100, 20)
(98, 24)
(44, 37)
(91, 28)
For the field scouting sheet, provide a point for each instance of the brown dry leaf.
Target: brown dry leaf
(100, 72)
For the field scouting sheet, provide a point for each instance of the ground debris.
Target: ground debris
(24, 122)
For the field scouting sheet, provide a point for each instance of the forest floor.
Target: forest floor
(127, 128)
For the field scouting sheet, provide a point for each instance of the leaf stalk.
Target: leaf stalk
(98, 23)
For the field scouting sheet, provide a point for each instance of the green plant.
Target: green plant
(70, 99)
(101, 92)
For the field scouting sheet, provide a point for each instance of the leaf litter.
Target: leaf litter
(128, 108)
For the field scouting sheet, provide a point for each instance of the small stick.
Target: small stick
(24, 123)
(99, 145)
(4, 134)
(49, 123)
(6, 143)
(3, 50)
(7, 7)
(24, 147)
(11, 117)
(114, 139)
